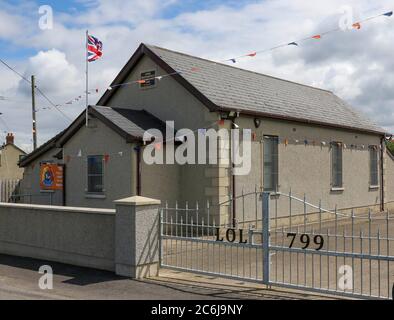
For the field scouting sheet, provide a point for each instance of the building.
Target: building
(305, 139)
(10, 155)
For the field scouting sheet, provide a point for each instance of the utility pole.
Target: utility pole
(33, 104)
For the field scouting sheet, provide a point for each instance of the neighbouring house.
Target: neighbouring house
(10, 154)
(305, 139)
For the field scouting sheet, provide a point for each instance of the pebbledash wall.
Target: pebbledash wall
(98, 139)
(389, 180)
(303, 169)
(306, 168)
(170, 101)
(124, 240)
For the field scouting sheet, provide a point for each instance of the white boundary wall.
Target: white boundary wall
(122, 240)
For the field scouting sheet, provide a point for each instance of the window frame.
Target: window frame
(336, 187)
(89, 175)
(274, 175)
(373, 149)
(143, 76)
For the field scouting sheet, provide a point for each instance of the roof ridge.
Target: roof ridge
(237, 68)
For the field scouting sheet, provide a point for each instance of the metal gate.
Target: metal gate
(318, 250)
(330, 252)
(193, 239)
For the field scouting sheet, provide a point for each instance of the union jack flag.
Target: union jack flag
(95, 48)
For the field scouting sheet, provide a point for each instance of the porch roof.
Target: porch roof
(128, 123)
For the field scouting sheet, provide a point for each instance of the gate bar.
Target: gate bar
(266, 236)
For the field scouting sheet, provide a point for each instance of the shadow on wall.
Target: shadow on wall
(150, 250)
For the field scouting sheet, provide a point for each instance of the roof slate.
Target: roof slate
(133, 122)
(232, 88)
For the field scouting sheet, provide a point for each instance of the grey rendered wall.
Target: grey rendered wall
(30, 183)
(167, 101)
(98, 139)
(170, 101)
(307, 168)
(78, 236)
(161, 181)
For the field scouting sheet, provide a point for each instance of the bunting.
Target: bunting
(252, 54)
(356, 26)
(234, 60)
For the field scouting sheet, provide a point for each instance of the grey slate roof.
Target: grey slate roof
(127, 122)
(237, 89)
(133, 122)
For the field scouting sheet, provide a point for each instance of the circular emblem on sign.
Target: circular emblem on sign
(47, 177)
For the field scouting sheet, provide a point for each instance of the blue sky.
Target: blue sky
(356, 65)
(9, 51)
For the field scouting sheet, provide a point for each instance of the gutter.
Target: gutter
(139, 167)
(303, 121)
(382, 193)
(234, 218)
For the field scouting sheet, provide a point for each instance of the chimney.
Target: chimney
(9, 138)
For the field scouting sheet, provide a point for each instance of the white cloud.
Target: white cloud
(54, 72)
(357, 65)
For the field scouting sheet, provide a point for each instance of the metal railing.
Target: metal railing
(192, 240)
(332, 252)
(319, 250)
(7, 188)
(47, 198)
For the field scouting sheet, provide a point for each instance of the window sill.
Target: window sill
(373, 187)
(95, 196)
(337, 189)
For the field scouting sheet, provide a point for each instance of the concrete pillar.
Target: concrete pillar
(137, 237)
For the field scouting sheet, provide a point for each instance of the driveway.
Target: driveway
(19, 279)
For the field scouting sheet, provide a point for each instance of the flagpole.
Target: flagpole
(87, 80)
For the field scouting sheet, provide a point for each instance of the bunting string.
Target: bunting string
(281, 140)
(160, 77)
(325, 143)
(356, 25)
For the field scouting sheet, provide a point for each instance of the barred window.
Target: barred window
(95, 174)
(336, 165)
(373, 166)
(270, 170)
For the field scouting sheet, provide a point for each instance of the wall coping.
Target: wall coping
(137, 201)
(57, 208)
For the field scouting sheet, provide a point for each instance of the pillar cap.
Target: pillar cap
(137, 201)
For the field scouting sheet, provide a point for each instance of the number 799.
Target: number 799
(306, 240)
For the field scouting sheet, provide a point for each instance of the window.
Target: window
(373, 166)
(270, 170)
(95, 174)
(336, 165)
(149, 79)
